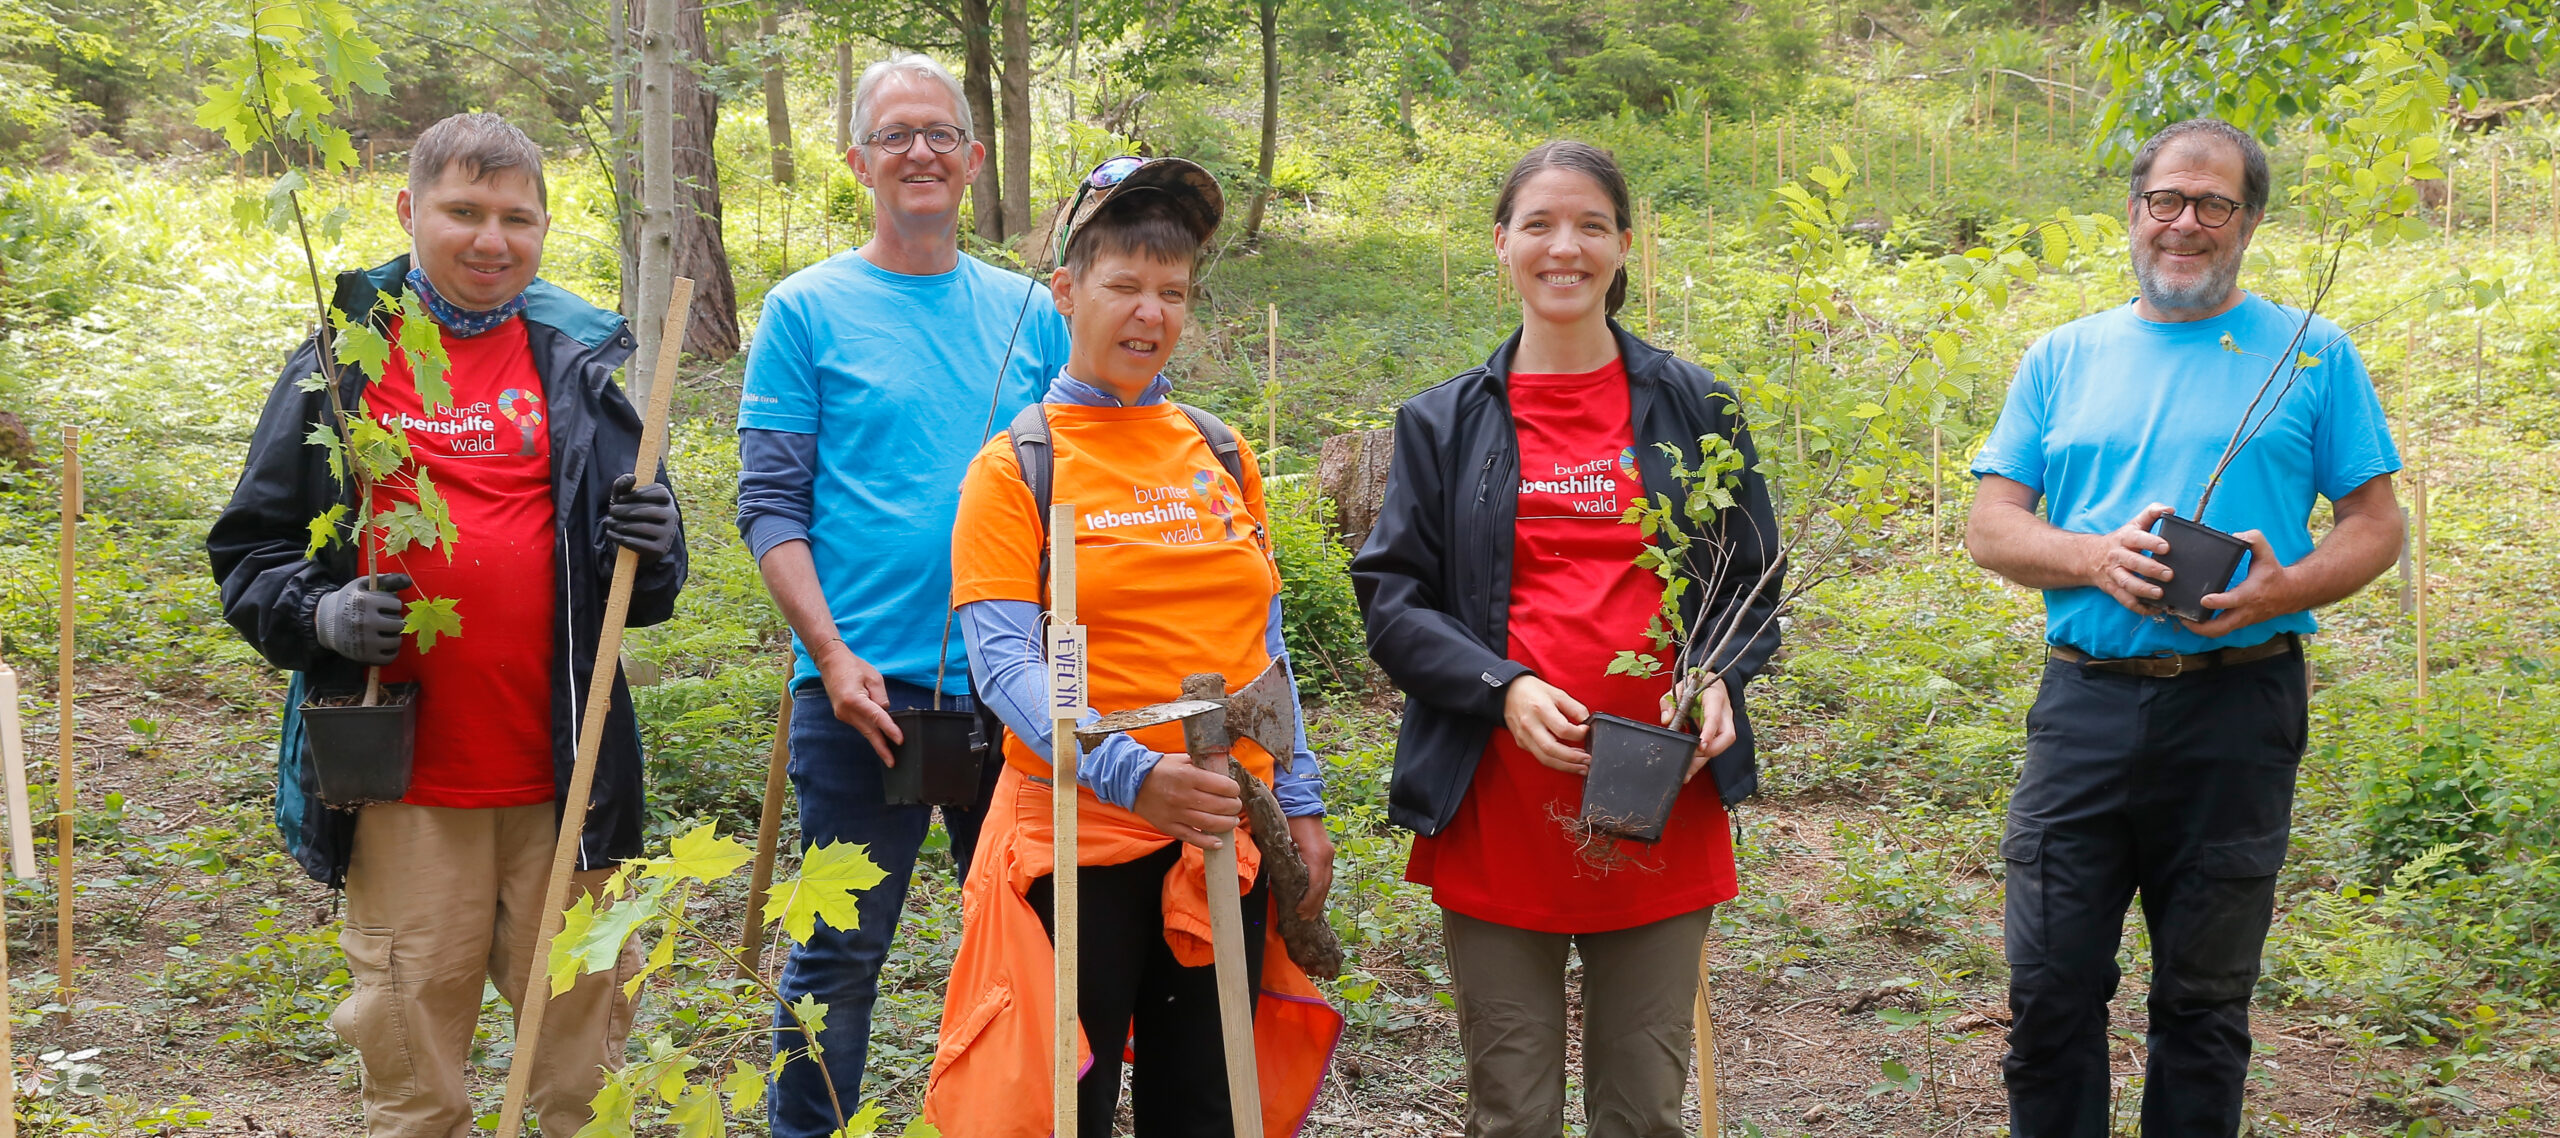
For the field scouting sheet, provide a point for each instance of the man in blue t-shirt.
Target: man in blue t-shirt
(2161, 751)
(875, 376)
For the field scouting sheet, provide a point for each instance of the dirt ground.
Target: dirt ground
(1799, 1050)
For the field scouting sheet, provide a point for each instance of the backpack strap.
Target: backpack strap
(1221, 439)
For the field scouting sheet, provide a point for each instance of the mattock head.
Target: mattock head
(1261, 711)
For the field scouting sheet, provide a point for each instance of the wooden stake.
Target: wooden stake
(1782, 149)
(2072, 92)
(1710, 1111)
(1066, 708)
(368, 156)
(2493, 200)
(1937, 458)
(582, 776)
(777, 782)
(66, 796)
(2419, 564)
(1271, 425)
(13, 759)
(1444, 264)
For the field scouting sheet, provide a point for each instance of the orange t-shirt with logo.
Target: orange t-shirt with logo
(484, 697)
(1173, 574)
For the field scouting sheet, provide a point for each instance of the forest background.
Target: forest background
(2410, 979)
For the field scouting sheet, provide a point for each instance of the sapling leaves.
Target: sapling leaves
(701, 855)
(430, 617)
(422, 342)
(830, 878)
(590, 940)
(324, 529)
(696, 1114)
(745, 1087)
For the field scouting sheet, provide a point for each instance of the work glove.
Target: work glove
(642, 519)
(361, 620)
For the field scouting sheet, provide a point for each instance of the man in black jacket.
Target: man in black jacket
(531, 452)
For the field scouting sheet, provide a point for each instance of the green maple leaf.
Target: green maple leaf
(324, 529)
(697, 1114)
(809, 1014)
(280, 201)
(863, 1124)
(422, 341)
(662, 955)
(357, 343)
(744, 1086)
(431, 617)
(610, 1110)
(919, 1128)
(248, 211)
(351, 59)
(224, 110)
(591, 941)
(326, 438)
(831, 878)
(702, 855)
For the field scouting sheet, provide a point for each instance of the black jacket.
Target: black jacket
(1434, 578)
(269, 589)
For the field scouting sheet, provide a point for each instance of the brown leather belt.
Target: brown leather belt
(2164, 667)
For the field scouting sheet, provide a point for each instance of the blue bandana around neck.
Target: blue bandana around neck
(462, 322)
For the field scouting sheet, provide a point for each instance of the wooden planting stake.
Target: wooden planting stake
(582, 776)
(2493, 200)
(13, 759)
(777, 781)
(1782, 150)
(1066, 709)
(1710, 1115)
(1444, 264)
(1271, 424)
(1936, 489)
(2419, 567)
(66, 796)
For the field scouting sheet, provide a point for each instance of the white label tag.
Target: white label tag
(1066, 671)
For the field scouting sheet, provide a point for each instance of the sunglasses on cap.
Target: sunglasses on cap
(1111, 172)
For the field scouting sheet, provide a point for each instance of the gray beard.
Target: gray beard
(2209, 290)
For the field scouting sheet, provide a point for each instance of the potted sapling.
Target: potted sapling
(2380, 134)
(278, 95)
(1866, 364)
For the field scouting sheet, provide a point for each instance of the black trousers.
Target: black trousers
(1128, 981)
(2179, 789)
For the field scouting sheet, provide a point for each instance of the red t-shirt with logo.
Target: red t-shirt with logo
(484, 698)
(1577, 600)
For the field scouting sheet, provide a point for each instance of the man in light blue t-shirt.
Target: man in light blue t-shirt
(875, 376)
(2161, 752)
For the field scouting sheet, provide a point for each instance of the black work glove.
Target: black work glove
(642, 519)
(361, 621)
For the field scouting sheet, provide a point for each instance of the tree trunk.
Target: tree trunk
(1270, 116)
(844, 97)
(700, 254)
(978, 78)
(655, 251)
(626, 218)
(1017, 117)
(777, 99)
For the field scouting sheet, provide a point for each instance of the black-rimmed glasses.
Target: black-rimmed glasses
(2212, 210)
(942, 137)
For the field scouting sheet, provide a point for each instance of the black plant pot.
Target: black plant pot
(941, 760)
(359, 754)
(2201, 560)
(1635, 776)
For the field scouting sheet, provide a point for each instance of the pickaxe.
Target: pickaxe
(1212, 721)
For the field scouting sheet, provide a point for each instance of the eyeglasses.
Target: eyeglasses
(942, 137)
(2212, 210)
(1111, 172)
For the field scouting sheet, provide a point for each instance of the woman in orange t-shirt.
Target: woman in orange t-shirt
(1500, 584)
(1173, 577)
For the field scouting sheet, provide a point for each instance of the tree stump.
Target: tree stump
(1352, 472)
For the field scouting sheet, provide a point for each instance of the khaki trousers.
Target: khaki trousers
(1637, 988)
(440, 901)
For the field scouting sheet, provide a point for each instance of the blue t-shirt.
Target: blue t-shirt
(2111, 413)
(893, 374)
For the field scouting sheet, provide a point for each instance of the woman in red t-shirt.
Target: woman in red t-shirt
(1499, 584)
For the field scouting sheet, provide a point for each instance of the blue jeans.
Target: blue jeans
(838, 778)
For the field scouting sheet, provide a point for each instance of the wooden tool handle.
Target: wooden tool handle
(582, 776)
(777, 779)
(13, 761)
(1710, 1118)
(1205, 736)
(66, 798)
